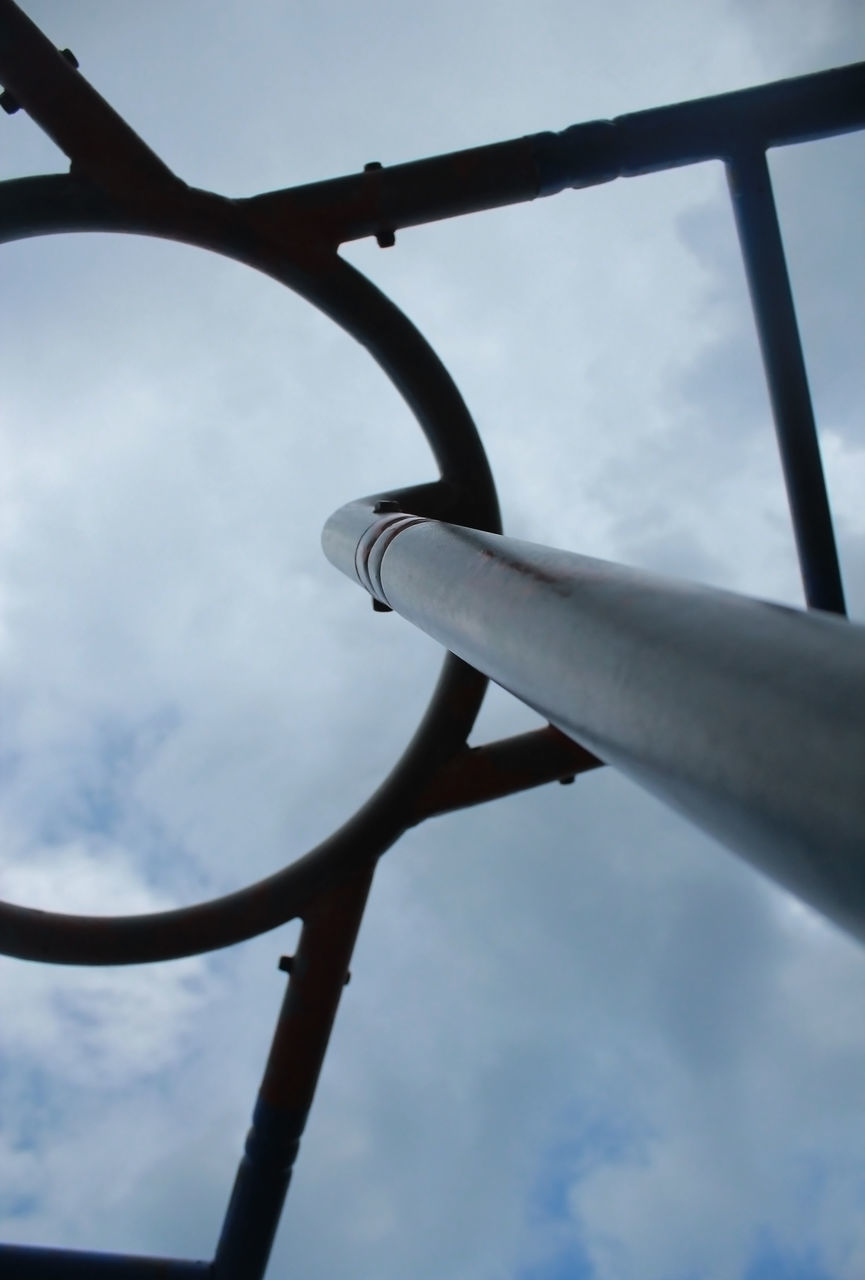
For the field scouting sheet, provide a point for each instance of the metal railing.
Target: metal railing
(746, 716)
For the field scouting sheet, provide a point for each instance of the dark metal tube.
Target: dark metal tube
(800, 109)
(318, 975)
(774, 312)
(25, 1262)
(59, 99)
(476, 775)
(748, 717)
(383, 199)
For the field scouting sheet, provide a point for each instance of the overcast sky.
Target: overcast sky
(582, 1042)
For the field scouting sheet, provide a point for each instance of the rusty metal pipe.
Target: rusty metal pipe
(383, 199)
(476, 775)
(48, 85)
(318, 974)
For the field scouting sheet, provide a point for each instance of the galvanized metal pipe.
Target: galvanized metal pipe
(748, 717)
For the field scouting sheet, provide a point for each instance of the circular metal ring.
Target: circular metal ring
(296, 257)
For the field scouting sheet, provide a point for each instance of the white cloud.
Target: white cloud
(569, 981)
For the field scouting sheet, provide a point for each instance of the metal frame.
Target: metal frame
(404, 545)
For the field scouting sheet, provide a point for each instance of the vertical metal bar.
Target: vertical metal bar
(771, 297)
(319, 972)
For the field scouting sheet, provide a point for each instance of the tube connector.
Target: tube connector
(356, 537)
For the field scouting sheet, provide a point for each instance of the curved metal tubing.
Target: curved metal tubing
(293, 257)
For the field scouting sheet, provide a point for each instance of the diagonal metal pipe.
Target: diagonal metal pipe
(48, 85)
(318, 972)
(772, 300)
(746, 716)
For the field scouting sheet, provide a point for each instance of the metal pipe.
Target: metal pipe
(318, 972)
(48, 85)
(477, 775)
(772, 300)
(746, 716)
(381, 200)
(465, 493)
(26, 1262)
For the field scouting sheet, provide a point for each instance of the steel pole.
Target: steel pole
(746, 716)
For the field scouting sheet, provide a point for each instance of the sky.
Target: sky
(582, 1041)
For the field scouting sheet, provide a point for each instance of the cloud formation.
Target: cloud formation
(581, 1039)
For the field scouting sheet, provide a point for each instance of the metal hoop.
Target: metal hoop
(294, 254)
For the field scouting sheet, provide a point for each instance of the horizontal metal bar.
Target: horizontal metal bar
(498, 769)
(25, 1262)
(772, 300)
(748, 717)
(784, 112)
(381, 200)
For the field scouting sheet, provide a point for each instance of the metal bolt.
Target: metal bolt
(384, 239)
(10, 103)
(286, 963)
(347, 977)
(566, 782)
